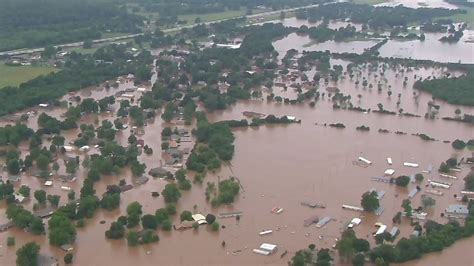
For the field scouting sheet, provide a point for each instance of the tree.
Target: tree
(27, 255)
(469, 182)
(10, 241)
(171, 193)
(13, 167)
(133, 238)
(55, 167)
(458, 144)
(402, 181)
(61, 230)
(71, 167)
(138, 168)
(210, 218)
(161, 215)
(166, 225)
(116, 231)
(215, 227)
(24, 191)
(419, 177)
(54, 200)
(406, 204)
(42, 162)
(358, 260)
(134, 208)
(68, 258)
(40, 196)
(369, 201)
(149, 221)
(186, 216)
(427, 201)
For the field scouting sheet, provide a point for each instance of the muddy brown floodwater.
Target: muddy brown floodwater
(279, 165)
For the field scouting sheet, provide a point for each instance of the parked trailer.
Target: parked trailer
(449, 176)
(414, 165)
(435, 184)
(265, 232)
(435, 192)
(362, 159)
(465, 192)
(353, 208)
(323, 221)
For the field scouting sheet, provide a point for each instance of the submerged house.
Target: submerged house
(457, 211)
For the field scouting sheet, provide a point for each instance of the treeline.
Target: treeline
(80, 71)
(436, 238)
(457, 90)
(31, 23)
(376, 18)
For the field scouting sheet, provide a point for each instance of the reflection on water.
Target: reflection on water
(432, 49)
(304, 43)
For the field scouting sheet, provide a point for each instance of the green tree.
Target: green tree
(27, 255)
(54, 200)
(134, 208)
(469, 182)
(116, 231)
(402, 181)
(210, 218)
(215, 226)
(24, 191)
(149, 221)
(419, 177)
(427, 201)
(13, 167)
(458, 144)
(10, 241)
(171, 193)
(61, 230)
(40, 196)
(71, 167)
(68, 258)
(42, 162)
(406, 204)
(133, 238)
(370, 201)
(166, 225)
(186, 216)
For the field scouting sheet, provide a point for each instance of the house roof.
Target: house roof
(457, 208)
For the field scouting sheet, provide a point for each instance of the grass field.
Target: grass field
(14, 76)
(213, 16)
(82, 50)
(468, 17)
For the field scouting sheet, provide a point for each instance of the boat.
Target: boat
(277, 210)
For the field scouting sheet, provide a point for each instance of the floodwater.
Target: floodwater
(304, 43)
(279, 165)
(460, 52)
(419, 4)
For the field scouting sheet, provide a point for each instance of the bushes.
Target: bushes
(458, 144)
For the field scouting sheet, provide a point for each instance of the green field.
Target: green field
(15, 75)
(468, 17)
(213, 16)
(82, 50)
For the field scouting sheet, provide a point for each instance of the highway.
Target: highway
(118, 38)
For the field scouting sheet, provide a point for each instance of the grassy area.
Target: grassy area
(15, 75)
(82, 50)
(369, 2)
(468, 17)
(213, 16)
